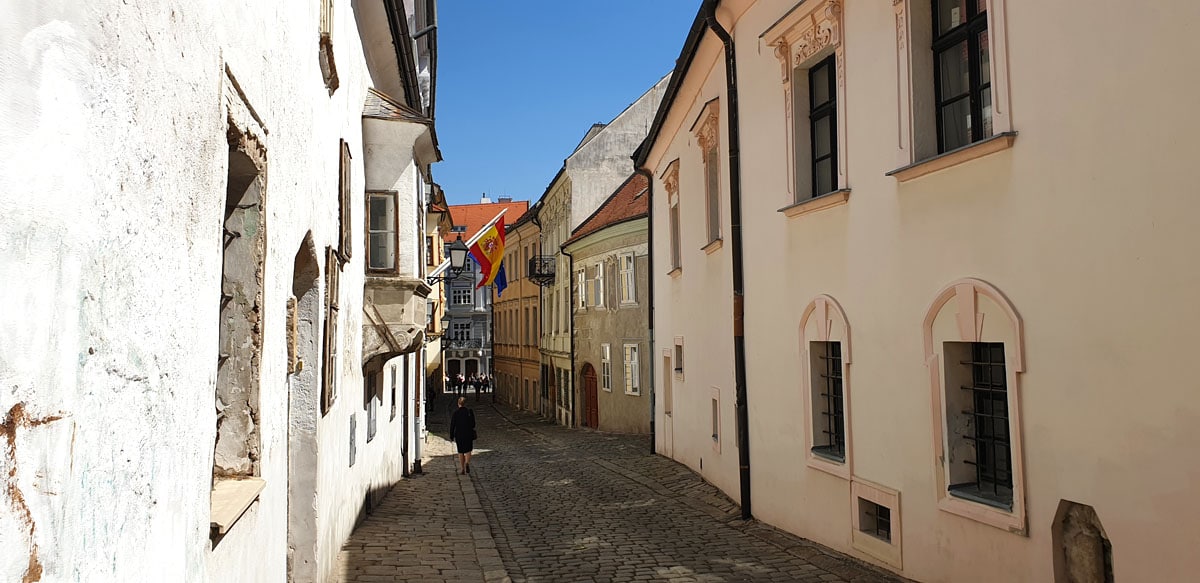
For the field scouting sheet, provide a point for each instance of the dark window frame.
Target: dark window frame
(834, 394)
(989, 414)
(969, 32)
(826, 68)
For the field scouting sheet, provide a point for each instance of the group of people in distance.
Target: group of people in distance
(458, 384)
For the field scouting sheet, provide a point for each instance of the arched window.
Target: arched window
(825, 354)
(974, 353)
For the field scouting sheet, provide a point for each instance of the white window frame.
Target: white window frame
(598, 286)
(606, 367)
(627, 263)
(389, 233)
(581, 281)
(462, 296)
(633, 371)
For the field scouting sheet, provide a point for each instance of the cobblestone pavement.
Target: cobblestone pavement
(544, 504)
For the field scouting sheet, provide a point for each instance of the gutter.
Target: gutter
(735, 228)
(650, 284)
(398, 24)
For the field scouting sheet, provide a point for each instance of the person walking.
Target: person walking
(462, 432)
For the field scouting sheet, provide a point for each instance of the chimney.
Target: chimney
(483, 199)
(504, 198)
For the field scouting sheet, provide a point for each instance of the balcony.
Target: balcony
(541, 269)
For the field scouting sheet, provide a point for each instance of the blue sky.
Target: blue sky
(519, 83)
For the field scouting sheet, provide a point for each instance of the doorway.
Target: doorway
(303, 322)
(591, 400)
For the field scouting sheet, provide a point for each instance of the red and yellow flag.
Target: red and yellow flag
(488, 252)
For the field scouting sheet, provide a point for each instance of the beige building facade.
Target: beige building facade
(947, 288)
(517, 320)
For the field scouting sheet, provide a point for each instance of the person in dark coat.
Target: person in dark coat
(462, 432)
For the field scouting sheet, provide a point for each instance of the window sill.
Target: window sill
(230, 498)
(825, 462)
(812, 205)
(675, 272)
(954, 157)
(633, 393)
(712, 246)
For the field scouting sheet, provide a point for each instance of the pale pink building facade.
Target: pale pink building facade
(967, 234)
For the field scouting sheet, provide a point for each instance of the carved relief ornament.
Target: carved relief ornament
(670, 180)
(799, 37)
(706, 127)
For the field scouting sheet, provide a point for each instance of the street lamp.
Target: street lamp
(458, 261)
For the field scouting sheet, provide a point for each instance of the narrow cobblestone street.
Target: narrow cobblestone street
(546, 503)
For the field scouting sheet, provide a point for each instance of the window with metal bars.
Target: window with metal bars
(962, 72)
(985, 426)
(822, 119)
(829, 419)
(875, 519)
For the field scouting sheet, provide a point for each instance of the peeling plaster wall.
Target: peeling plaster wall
(111, 199)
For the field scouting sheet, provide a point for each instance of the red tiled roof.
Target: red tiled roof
(628, 202)
(475, 216)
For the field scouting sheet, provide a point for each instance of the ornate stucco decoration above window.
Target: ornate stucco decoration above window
(670, 180)
(706, 128)
(802, 38)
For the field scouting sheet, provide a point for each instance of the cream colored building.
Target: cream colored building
(968, 280)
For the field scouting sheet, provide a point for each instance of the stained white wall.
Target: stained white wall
(111, 198)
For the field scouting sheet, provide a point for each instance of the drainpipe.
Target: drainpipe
(650, 291)
(571, 330)
(735, 227)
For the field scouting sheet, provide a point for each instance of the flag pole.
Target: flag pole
(446, 263)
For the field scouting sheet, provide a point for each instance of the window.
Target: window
(808, 44)
(381, 229)
(822, 120)
(370, 390)
(980, 419)
(430, 256)
(606, 367)
(344, 201)
(707, 135)
(875, 520)
(952, 67)
(458, 229)
(829, 422)
(962, 72)
(825, 352)
(332, 295)
(239, 348)
(461, 296)
(670, 179)
(628, 278)
(678, 356)
(633, 371)
(462, 331)
(581, 284)
(325, 47)
(598, 285)
(716, 419)
(393, 384)
(975, 382)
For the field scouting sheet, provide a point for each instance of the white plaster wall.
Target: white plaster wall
(704, 287)
(112, 188)
(1086, 225)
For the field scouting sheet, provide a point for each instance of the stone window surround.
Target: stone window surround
(628, 289)
(914, 74)
(716, 419)
(632, 368)
(606, 367)
(889, 552)
(966, 298)
(707, 131)
(670, 179)
(677, 358)
(805, 36)
(824, 320)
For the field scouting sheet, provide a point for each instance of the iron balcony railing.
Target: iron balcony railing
(541, 269)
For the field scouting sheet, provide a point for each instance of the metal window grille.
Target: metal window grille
(876, 520)
(833, 430)
(989, 418)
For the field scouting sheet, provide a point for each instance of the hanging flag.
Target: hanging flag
(501, 280)
(488, 252)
